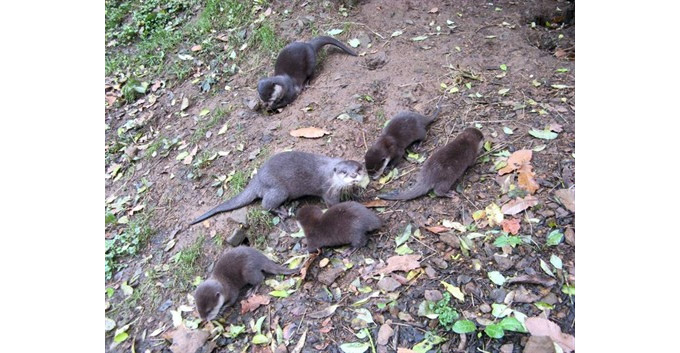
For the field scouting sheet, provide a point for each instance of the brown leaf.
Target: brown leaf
(254, 302)
(223, 37)
(437, 229)
(560, 53)
(539, 344)
(376, 203)
(555, 127)
(401, 263)
(187, 341)
(533, 279)
(434, 10)
(384, 334)
(518, 205)
(324, 313)
(567, 197)
(526, 179)
(110, 99)
(305, 266)
(516, 161)
(156, 86)
(196, 47)
(511, 225)
(538, 326)
(301, 343)
(388, 284)
(309, 132)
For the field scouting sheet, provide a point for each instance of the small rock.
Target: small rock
(547, 213)
(328, 276)
(551, 299)
(507, 348)
(570, 236)
(239, 216)
(433, 295)
(237, 237)
(384, 334)
(166, 304)
(561, 212)
(472, 288)
(440, 263)
(410, 98)
(376, 61)
(503, 261)
(273, 125)
(498, 295)
(254, 154)
(485, 308)
(450, 239)
(266, 138)
(539, 344)
(430, 272)
(252, 103)
(388, 284)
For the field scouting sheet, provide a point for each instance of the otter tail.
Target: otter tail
(319, 42)
(420, 188)
(430, 119)
(245, 197)
(276, 269)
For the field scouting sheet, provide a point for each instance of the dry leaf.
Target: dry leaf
(110, 99)
(405, 350)
(555, 127)
(324, 313)
(518, 205)
(434, 10)
(559, 53)
(539, 344)
(187, 341)
(526, 179)
(253, 303)
(196, 47)
(437, 229)
(516, 161)
(223, 37)
(567, 197)
(376, 203)
(309, 132)
(511, 225)
(305, 266)
(538, 326)
(384, 334)
(401, 263)
(533, 279)
(156, 86)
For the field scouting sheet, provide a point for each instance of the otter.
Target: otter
(402, 130)
(234, 270)
(290, 175)
(444, 167)
(294, 67)
(344, 223)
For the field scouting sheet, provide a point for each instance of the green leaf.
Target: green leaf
(507, 130)
(279, 293)
(503, 91)
(512, 324)
(397, 33)
(496, 277)
(109, 292)
(556, 261)
(355, 347)
(503, 240)
(464, 326)
(500, 310)
(545, 268)
(554, 238)
(204, 112)
(539, 148)
(430, 341)
(364, 315)
(258, 325)
(333, 32)
(494, 331)
(419, 38)
(403, 250)
(569, 289)
(182, 155)
(543, 134)
(544, 306)
(127, 290)
(487, 146)
(120, 337)
(354, 42)
(504, 67)
(260, 339)
(562, 69)
(426, 308)
(405, 235)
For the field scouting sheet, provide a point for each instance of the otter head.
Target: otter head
(348, 173)
(307, 214)
(475, 137)
(210, 296)
(270, 91)
(380, 155)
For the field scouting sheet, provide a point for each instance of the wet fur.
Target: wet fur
(402, 130)
(444, 167)
(342, 224)
(294, 67)
(234, 270)
(290, 175)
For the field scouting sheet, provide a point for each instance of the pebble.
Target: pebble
(433, 295)
(485, 308)
(498, 295)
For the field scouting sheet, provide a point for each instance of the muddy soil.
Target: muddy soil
(508, 75)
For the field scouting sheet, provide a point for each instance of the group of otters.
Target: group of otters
(291, 175)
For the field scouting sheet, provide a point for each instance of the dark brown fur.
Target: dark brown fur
(402, 130)
(444, 167)
(342, 224)
(234, 270)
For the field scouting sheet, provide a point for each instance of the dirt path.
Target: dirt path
(491, 68)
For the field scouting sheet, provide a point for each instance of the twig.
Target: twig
(363, 133)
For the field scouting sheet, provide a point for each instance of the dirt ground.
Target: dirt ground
(491, 67)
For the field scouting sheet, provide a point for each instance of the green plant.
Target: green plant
(186, 262)
(126, 243)
(447, 314)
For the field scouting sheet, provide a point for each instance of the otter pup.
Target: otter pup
(234, 270)
(344, 223)
(294, 66)
(402, 130)
(444, 167)
(290, 175)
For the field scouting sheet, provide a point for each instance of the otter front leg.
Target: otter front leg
(331, 197)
